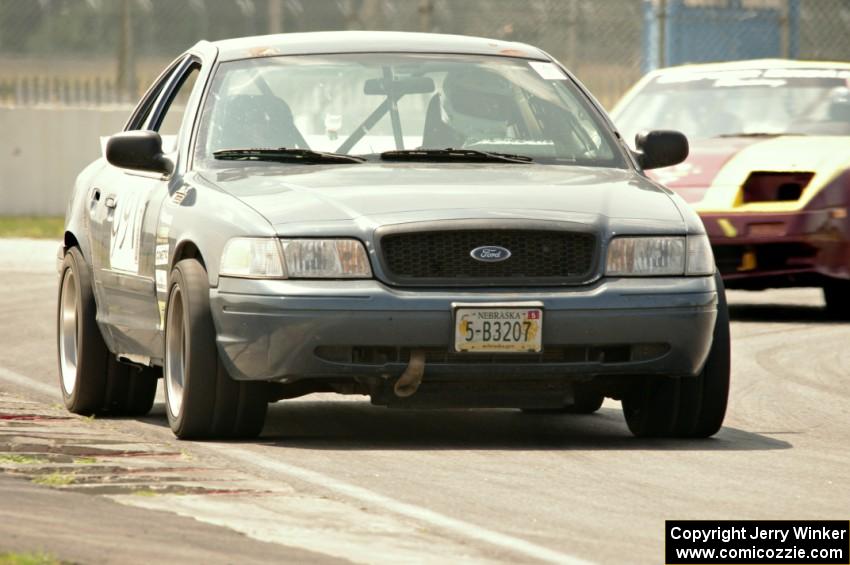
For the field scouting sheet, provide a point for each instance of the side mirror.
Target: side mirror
(661, 148)
(140, 150)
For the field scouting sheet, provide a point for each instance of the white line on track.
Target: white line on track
(26, 382)
(461, 528)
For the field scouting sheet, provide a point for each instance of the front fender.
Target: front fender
(200, 215)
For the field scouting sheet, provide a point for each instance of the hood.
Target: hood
(382, 194)
(716, 168)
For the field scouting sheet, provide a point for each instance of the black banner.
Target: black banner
(745, 542)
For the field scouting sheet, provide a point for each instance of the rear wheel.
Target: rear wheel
(584, 402)
(82, 352)
(836, 294)
(130, 390)
(91, 379)
(686, 407)
(202, 400)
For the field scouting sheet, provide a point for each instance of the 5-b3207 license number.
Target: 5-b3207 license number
(517, 329)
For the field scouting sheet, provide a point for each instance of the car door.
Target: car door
(124, 218)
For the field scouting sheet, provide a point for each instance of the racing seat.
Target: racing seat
(249, 121)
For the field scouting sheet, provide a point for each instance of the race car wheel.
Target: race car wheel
(686, 407)
(91, 379)
(202, 400)
(584, 402)
(83, 355)
(130, 391)
(836, 294)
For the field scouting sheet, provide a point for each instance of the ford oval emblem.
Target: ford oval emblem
(490, 253)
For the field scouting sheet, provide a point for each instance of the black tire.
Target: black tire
(101, 384)
(836, 294)
(202, 400)
(686, 407)
(584, 403)
(82, 370)
(130, 391)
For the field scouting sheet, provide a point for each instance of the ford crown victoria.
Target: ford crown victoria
(432, 221)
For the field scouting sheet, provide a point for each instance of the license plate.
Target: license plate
(497, 329)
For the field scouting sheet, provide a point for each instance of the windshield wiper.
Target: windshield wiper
(759, 134)
(285, 155)
(465, 155)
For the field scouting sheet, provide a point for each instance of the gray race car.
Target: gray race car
(430, 220)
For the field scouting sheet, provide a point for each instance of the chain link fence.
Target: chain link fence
(100, 52)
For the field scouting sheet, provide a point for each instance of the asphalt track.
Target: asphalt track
(334, 478)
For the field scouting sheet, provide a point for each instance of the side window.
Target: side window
(171, 115)
(143, 110)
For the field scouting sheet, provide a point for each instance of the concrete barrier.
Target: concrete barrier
(43, 149)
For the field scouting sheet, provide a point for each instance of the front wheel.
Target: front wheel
(836, 294)
(686, 407)
(202, 400)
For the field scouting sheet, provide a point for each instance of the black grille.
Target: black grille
(443, 257)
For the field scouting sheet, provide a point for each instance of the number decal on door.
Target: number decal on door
(127, 231)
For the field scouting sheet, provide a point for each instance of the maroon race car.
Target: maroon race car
(769, 167)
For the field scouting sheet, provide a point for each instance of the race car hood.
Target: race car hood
(716, 168)
(380, 194)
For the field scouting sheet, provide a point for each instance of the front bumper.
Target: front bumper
(283, 330)
(775, 249)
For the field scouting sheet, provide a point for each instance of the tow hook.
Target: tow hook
(409, 381)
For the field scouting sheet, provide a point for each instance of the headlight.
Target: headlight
(646, 256)
(251, 257)
(659, 256)
(269, 258)
(326, 258)
(700, 256)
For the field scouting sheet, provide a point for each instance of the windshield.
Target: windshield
(718, 103)
(368, 104)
